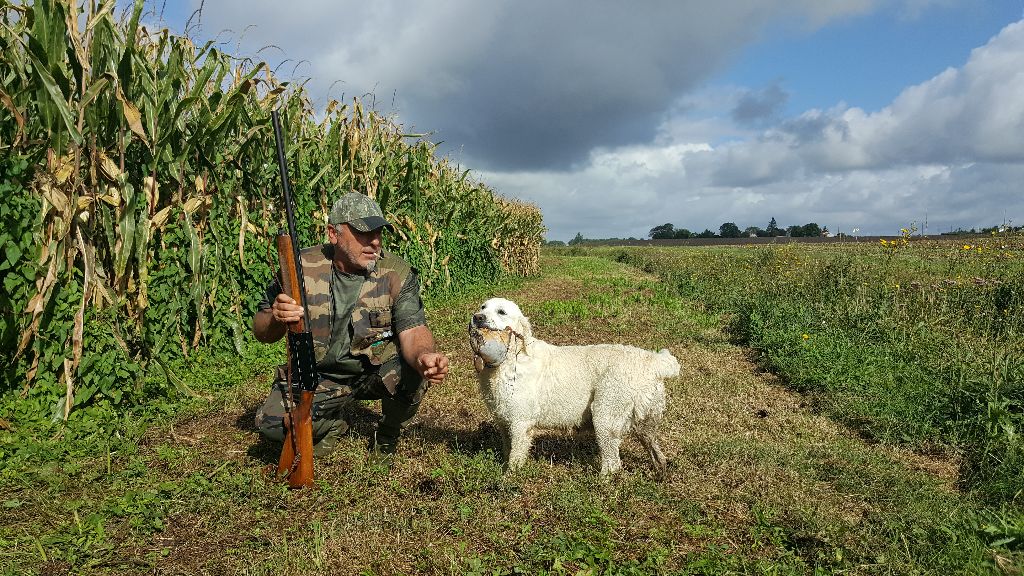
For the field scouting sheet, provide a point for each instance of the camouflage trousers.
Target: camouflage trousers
(396, 384)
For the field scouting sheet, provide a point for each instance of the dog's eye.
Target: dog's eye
(500, 311)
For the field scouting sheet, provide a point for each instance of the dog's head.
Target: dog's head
(499, 314)
(496, 330)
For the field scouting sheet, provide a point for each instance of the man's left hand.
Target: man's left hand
(433, 366)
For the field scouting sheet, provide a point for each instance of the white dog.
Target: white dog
(529, 384)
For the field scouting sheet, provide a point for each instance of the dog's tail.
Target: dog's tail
(666, 364)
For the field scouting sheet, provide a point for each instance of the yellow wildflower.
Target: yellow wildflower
(806, 336)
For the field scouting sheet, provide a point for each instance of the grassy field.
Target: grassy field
(766, 477)
(909, 341)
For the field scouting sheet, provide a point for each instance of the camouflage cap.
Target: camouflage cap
(358, 211)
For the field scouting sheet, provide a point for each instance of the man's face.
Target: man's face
(354, 251)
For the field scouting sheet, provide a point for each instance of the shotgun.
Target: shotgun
(296, 462)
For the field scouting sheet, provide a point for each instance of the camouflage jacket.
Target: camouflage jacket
(372, 332)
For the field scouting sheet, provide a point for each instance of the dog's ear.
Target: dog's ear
(524, 326)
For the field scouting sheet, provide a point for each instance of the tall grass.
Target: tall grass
(140, 197)
(913, 341)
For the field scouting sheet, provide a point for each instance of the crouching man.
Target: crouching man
(369, 330)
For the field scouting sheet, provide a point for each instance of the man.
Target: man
(369, 331)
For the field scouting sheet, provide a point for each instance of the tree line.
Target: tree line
(731, 230)
(668, 231)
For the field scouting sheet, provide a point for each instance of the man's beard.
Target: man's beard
(353, 258)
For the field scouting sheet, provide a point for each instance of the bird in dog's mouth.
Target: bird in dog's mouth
(490, 347)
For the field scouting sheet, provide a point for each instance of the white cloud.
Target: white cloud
(970, 114)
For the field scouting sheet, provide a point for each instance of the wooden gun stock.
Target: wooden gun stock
(296, 462)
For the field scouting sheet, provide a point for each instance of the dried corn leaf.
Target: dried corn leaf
(132, 116)
(79, 324)
(54, 196)
(152, 191)
(244, 216)
(62, 168)
(69, 394)
(108, 167)
(195, 203)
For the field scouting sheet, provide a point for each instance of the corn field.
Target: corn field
(141, 195)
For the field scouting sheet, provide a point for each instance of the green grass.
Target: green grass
(759, 483)
(916, 342)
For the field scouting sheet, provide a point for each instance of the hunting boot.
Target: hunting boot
(329, 441)
(385, 439)
(385, 444)
(329, 424)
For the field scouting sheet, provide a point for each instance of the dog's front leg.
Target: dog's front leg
(608, 440)
(520, 441)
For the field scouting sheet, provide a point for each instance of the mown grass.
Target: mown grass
(759, 483)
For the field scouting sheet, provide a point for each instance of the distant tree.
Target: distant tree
(811, 229)
(556, 243)
(795, 231)
(729, 230)
(773, 229)
(662, 232)
(706, 234)
(682, 233)
(825, 232)
(577, 240)
(753, 231)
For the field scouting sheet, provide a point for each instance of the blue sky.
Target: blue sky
(616, 117)
(868, 60)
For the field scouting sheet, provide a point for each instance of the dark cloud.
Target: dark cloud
(523, 84)
(812, 126)
(758, 107)
(558, 79)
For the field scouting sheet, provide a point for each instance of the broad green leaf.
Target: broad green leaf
(195, 248)
(95, 89)
(56, 99)
(126, 230)
(13, 253)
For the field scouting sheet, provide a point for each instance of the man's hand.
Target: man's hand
(419, 351)
(270, 325)
(285, 309)
(433, 366)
